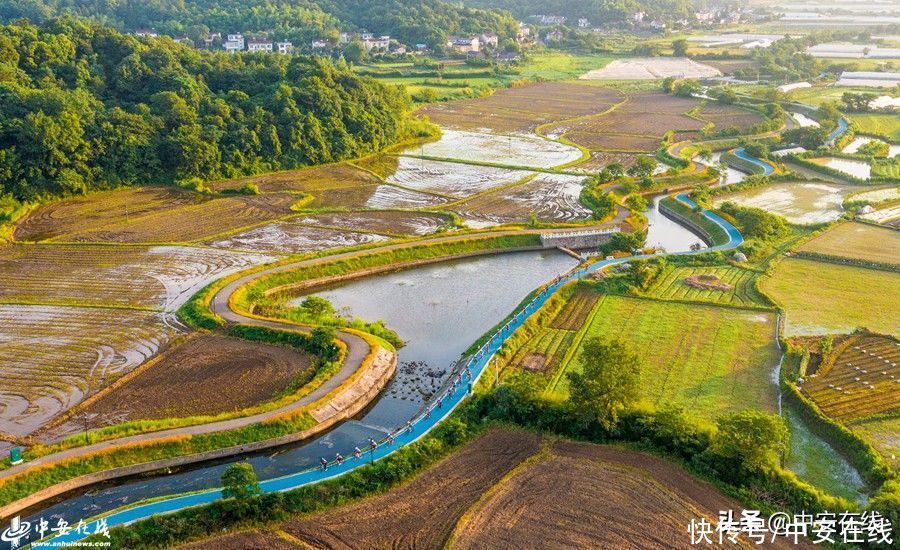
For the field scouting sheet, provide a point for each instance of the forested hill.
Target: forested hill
(410, 21)
(83, 106)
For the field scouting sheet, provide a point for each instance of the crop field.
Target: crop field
(802, 203)
(388, 222)
(885, 125)
(309, 180)
(188, 380)
(614, 142)
(636, 123)
(857, 240)
(510, 149)
(53, 357)
(671, 285)
(523, 108)
(99, 209)
(709, 359)
(557, 494)
(601, 159)
(391, 196)
(160, 277)
(852, 167)
(826, 298)
(863, 380)
(651, 68)
(190, 222)
(883, 434)
(544, 352)
(878, 195)
(551, 197)
(290, 238)
(450, 178)
(575, 312)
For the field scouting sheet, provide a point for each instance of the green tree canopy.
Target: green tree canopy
(239, 482)
(607, 384)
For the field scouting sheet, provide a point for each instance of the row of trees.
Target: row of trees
(83, 106)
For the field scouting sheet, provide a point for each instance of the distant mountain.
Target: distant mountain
(597, 12)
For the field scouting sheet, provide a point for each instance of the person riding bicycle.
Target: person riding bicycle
(324, 463)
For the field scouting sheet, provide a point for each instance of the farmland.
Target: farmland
(567, 480)
(857, 240)
(450, 179)
(288, 237)
(517, 150)
(798, 202)
(386, 222)
(672, 285)
(881, 434)
(861, 380)
(81, 350)
(821, 298)
(651, 68)
(309, 180)
(191, 376)
(523, 108)
(157, 277)
(551, 197)
(709, 359)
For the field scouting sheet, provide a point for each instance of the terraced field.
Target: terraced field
(575, 312)
(514, 150)
(671, 285)
(309, 180)
(81, 350)
(289, 237)
(451, 179)
(523, 108)
(65, 217)
(798, 202)
(883, 434)
(158, 277)
(826, 298)
(186, 223)
(862, 381)
(859, 241)
(386, 222)
(709, 359)
(544, 352)
(550, 197)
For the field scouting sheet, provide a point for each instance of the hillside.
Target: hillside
(410, 21)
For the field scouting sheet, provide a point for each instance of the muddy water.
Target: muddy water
(440, 310)
(665, 233)
(856, 168)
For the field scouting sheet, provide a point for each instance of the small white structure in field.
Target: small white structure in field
(785, 88)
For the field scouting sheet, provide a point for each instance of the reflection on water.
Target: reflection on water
(440, 310)
(665, 233)
(856, 168)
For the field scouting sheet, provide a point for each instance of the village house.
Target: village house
(371, 42)
(146, 33)
(319, 44)
(489, 39)
(259, 45)
(464, 44)
(553, 36)
(234, 43)
(584, 23)
(550, 19)
(210, 39)
(285, 48)
(523, 34)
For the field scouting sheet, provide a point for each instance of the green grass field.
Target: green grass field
(820, 297)
(859, 241)
(886, 125)
(883, 435)
(671, 286)
(709, 359)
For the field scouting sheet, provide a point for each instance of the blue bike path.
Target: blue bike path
(437, 410)
(767, 168)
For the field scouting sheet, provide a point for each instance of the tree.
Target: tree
(317, 307)
(608, 383)
(687, 88)
(668, 84)
(239, 482)
(755, 437)
(809, 137)
(643, 167)
(679, 48)
(355, 52)
(322, 343)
